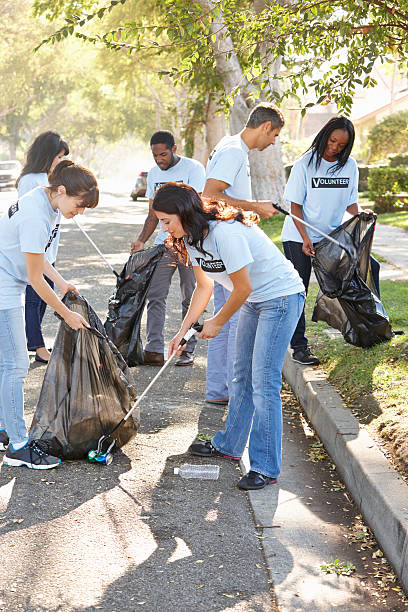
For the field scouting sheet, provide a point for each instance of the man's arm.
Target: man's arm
(214, 189)
(149, 226)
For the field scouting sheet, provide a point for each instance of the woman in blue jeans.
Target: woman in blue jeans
(26, 234)
(45, 152)
(224, 244)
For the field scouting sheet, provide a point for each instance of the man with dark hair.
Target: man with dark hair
(169, 167)
(228, 179)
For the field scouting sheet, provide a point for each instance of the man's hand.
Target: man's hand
(307, 247)
(210, 329)
(136, 246)
(265, 209)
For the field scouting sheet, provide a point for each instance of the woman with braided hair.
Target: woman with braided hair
(26, 234)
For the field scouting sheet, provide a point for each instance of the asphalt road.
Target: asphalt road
(133, 535)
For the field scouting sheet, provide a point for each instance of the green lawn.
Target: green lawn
(397, 218)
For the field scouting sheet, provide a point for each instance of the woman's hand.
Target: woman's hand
(174, 345)
(307, 247)
(75, 320)
(210, 329)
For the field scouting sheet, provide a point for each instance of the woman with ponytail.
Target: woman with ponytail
(224, 244)
(45, 152)
(26, 234)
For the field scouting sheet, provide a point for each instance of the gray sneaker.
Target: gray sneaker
(4, 440)
(33, 455)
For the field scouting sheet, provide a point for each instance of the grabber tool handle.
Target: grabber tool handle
(315, 229)
(196, 328)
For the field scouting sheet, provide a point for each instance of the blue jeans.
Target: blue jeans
(34, 313)
(263, 335)
(14, 363)
(220, 357)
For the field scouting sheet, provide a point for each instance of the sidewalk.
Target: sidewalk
(377, 489)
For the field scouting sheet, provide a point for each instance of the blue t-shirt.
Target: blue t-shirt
(229, 163)
(26, 184)
(231, 246)
(324, 195)
(187, 171)
(27, 227)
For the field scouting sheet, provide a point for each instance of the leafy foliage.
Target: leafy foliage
(384, 184)
(389, 136)
(328, 46)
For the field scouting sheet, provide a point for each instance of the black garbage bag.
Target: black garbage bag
(87, 389)
(348, 299)
(127, 302)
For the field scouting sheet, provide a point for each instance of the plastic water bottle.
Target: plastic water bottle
(205, 472)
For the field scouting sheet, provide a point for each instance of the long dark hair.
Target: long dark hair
(319, 144)
(195, 214)
(42, 152)
(77, 180)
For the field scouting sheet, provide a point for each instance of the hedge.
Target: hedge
(384, 185)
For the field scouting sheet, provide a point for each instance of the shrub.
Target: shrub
(398, 160)
(389, 136)
(384, 184)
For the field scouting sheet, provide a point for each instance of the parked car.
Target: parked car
(9, 172)
(139, 190)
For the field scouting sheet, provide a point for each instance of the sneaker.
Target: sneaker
(208, 450)
(253, 481)
(33, 455)
(186, 358)
(305, 356)
(4, 440)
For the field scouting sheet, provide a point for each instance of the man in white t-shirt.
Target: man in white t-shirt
(169, 167)
(228, 179)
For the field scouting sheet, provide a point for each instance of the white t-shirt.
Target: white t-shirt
(229, 163)
(27, 227)
(26, 184)
(324, 195)
(231, 246)
(187, 171)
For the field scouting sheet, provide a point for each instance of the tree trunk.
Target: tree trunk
(267, 173)
(200, 147)
(215, 126)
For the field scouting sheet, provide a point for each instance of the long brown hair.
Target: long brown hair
(194, 214)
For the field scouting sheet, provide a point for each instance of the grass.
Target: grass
(397, 218)
(373, 382)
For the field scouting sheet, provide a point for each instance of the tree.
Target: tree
(389, 136)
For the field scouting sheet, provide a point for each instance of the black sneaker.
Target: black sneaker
(305, 356)
(253, 481)
(33, 455)
(4, 440)
(208, 450)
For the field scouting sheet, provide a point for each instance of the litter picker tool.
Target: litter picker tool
(95, 247)
(105, 457)
(315, 229)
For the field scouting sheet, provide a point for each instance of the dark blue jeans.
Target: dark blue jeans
(34, 313)
(303, 264)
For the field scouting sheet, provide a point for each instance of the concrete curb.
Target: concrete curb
(377, 489)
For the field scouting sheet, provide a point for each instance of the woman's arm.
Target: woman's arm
(199, 300)
(35, 271)
(307, 247)
(241, 291)
(56, 278)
